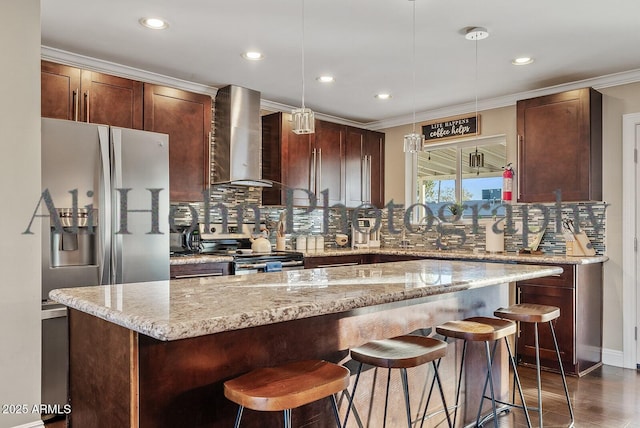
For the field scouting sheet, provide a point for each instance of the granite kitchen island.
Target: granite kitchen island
(156, 354)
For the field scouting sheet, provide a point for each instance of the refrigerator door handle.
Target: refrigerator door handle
(105, 202)
(116, 164)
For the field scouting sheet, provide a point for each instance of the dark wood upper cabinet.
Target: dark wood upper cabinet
(364, 161)
(346, 161)
(285, 160)
(60, 89)
(111, 100)
(88, 96)
(560, 146)
(186, 117)
(328, 156)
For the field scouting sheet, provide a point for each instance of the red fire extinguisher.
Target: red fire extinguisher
(507, 183)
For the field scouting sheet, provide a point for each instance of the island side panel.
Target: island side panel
(103, 364)
(181, 382)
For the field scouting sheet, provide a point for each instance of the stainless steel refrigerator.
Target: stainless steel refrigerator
(83, 244)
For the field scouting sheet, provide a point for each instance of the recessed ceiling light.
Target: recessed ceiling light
(382, 96)
(325, 79)
(154, 23)
(522, 60)
(253, 55)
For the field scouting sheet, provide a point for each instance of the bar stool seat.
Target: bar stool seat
(286, 387)
(477, 329)
(484, 329)
(534, 313)
(400, 352)
(528, 312)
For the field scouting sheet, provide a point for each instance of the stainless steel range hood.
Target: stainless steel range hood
(238, 138)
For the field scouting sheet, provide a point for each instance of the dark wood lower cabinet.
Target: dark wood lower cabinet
(578, 294)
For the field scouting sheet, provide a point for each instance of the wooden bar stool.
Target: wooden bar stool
(286, 387)
(401, 353)
(483, 329)
(532, 313)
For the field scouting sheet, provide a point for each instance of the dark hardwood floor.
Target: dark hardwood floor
(608, 397)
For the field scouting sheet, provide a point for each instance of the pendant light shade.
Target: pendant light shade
(414, 142)
(303, 118)
(303, 121)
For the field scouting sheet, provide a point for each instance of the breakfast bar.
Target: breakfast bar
(156, 354)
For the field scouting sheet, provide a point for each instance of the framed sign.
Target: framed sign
(455, 127)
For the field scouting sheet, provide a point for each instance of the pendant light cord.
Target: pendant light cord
(476, 83)
(302, 53)
(413, 64)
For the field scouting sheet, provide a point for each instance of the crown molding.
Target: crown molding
(108, 67)
(285, 108)
(609, 80)
(77, 60)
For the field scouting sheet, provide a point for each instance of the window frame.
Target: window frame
(411, 164)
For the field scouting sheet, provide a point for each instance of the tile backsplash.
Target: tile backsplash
(591, 217)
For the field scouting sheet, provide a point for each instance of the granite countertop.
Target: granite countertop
(179, 309)
(430, 254)
(464, 255)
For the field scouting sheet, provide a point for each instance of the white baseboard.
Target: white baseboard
(611, 357)
(34, 424)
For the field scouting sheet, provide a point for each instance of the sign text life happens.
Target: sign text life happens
(452, 128)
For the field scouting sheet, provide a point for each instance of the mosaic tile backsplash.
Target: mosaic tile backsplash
(461, 235)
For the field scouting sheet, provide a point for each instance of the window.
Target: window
(448, 174)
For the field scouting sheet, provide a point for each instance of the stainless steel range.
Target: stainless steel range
(236, 242)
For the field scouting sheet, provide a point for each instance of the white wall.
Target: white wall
(19, 191)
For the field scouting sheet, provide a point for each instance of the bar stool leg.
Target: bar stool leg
(238, 417)
(455, 412)
(535, 329)
(353, 393)
(436, 375)
(334, 405)
(493, 399)
(287, 418)
(386, 400)
(564, 379)
(405, 387)
(516, 380)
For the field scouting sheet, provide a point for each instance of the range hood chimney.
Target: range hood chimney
(238, 138)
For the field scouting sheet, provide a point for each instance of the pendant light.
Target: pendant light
(303, 118)
(413, 142)
(476, 159)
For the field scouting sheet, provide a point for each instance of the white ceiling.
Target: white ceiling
(365, 44)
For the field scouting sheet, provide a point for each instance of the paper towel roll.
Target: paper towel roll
(494, 241)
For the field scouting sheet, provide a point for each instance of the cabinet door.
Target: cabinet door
(60, 86)
(186, 117)
(374, 149)
(356, 183)
(111, 100)
(296, 160)
(563, 298)
(560, 146)
(330, 140)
